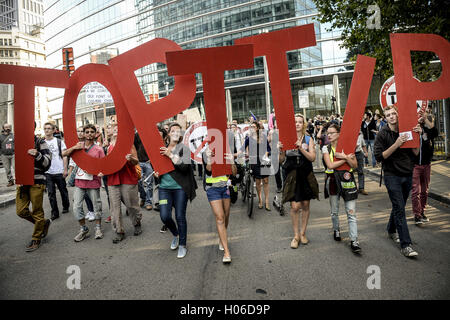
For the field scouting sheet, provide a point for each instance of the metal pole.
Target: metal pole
(228, 104)
(10, 110)
(267, 87)
(444, 107)
(336, 93)
(104, 117)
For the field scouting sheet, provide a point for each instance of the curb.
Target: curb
(431, 194)
(7, 202)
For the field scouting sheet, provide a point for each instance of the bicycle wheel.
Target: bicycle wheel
(250, 193)
(244, 188)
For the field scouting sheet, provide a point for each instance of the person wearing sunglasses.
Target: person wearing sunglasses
(86, 183)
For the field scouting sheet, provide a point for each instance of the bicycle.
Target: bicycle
(248, 192)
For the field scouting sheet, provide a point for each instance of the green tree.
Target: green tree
(397, 16)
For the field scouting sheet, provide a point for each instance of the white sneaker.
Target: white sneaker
(221, 246)
(91, 216)
(174, 244)
(98, 233)
(181, 252)
(81, 235)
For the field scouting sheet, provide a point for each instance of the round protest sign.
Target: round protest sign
(388, 95)
(195, 138)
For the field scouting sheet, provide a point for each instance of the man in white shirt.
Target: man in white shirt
(57, 172)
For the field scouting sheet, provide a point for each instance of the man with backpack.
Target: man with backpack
(35, 194)
(57, 172)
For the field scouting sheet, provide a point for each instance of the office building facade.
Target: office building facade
(93, 25)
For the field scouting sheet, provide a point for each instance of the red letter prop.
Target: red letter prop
(212, 63)
(114, 161)
(24, 80)
(409, 90)
(274, 45)
(146, 116)
(356, 104)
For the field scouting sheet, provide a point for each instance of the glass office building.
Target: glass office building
(96, 30)
(211, 23)
(91, 26)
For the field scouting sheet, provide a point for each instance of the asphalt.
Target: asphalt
(263, 266)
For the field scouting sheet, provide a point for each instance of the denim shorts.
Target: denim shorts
(218, 193)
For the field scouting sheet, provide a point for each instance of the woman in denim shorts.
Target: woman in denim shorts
(219, 198)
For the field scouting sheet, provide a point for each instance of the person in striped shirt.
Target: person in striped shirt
(35, 194)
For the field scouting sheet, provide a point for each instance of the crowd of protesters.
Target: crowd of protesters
(137, 185)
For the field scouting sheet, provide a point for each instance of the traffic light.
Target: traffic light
(68, 60)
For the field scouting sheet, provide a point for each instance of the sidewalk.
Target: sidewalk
(7, 194)
(439, 183)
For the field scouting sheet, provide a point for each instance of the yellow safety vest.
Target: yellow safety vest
(333, 150)
(216, 179)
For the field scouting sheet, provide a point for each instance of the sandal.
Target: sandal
(304, 240)
(294, 243)
(268, 207)
(260, 206)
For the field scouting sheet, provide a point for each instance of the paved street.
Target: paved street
(263, 267)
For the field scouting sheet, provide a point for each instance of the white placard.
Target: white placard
(408, 134)
(303, 99)
(97, 93)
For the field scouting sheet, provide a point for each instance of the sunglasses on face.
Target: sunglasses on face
(89, 131)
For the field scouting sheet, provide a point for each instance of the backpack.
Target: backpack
(59, 147)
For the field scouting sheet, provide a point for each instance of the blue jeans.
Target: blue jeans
(89, 203)
(178, 199)
(369, 144)
(360, 159)
(398, 189)
(146, 188)
(215, 193)
(350, 207)
(79, 195)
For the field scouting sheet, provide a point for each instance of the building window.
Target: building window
(9, 42)
(1, 42)
(1, 53)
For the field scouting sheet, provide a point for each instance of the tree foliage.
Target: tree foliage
(397, 16)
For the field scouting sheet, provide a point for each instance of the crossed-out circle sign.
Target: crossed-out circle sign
(195, 138)
(388, 95)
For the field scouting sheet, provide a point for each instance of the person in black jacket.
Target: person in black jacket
(35, 194)
(369, 130)
(422, 168)
(398, 166)
(176, 188)
(145, 183)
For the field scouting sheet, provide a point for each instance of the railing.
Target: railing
(439, 148)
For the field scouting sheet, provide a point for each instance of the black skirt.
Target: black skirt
(303, 190)
(256, 171)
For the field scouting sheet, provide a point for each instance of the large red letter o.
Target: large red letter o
(114, 161)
